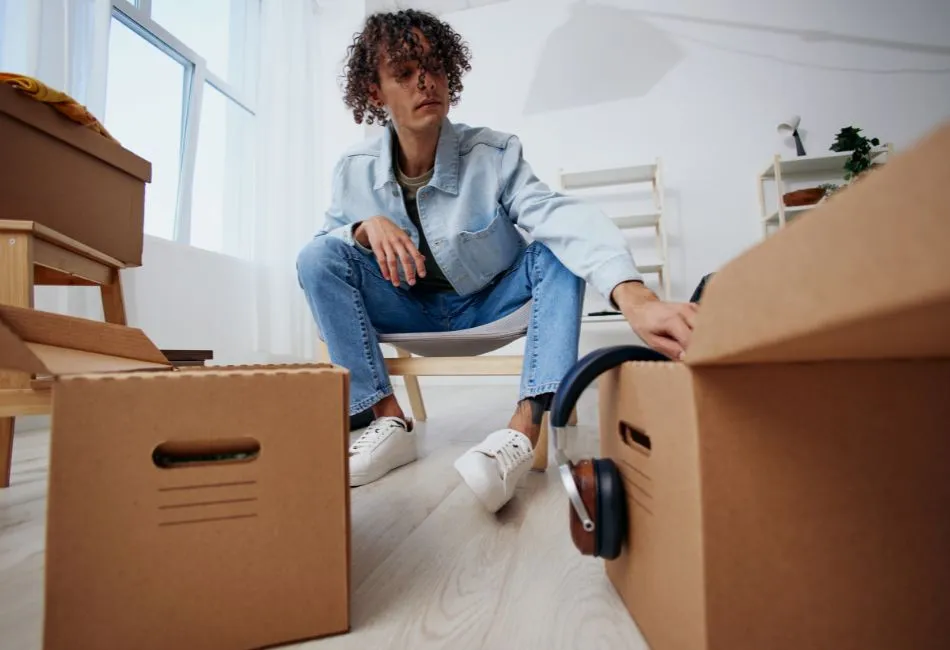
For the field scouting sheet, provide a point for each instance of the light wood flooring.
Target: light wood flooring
(431, 569)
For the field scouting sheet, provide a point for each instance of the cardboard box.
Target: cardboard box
(65, 176)
(205, 508)
(796, 489)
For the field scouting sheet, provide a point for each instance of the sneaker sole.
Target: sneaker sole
(356, 480)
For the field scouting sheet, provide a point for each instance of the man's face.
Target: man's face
(410, 106)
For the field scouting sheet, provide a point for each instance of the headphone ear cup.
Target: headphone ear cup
(585, 478)
(611, 521)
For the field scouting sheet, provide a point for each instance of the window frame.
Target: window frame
(138, 17)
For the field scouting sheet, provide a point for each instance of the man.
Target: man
(421, 236)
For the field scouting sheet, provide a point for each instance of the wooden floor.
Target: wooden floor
(431, 568)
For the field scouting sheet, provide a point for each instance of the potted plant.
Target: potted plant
(850, 139)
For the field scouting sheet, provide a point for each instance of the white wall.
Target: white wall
(702, 85)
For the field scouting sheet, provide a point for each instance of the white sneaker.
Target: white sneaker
(494, 467)
(387, 443)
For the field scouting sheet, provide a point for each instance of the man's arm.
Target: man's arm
(585, 239)
(592, 247)
(336, 223)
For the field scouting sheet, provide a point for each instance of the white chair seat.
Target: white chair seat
(468, 342)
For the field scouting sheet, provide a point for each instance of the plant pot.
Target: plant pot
(808, 196)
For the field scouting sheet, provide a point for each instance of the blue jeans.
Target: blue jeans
(352, 302)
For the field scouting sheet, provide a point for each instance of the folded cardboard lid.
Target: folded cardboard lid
(44, 117)
(44, 343)
(865, 275)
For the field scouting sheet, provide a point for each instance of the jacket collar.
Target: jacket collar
(446, 174)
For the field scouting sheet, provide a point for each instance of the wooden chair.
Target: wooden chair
(462, 353)
(30, 255)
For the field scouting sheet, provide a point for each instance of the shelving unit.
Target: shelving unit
(802, 171)
(617, 178)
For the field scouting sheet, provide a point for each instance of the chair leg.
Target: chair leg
(415, 393)
(541, 448)
(6, 451)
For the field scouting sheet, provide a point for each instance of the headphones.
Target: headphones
(598, 512)
(598, 504)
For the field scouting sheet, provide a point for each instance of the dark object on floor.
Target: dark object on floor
(604, 313)
(181, 358)
(361, 419)
(698, 293)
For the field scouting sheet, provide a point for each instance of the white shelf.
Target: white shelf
(652, 217)
(606, 177)
(652, 267)
(646, 220)
(612, 318)
(819, 164)
(787, 174)
(790, 213)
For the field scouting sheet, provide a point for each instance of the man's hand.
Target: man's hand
(664, 326)
(390, 244)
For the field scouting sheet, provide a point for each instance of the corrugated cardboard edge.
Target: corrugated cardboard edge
(872, 252)
(38, 115)
(314, 365)
(33, 331)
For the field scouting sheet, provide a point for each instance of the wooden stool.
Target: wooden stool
(32, 254)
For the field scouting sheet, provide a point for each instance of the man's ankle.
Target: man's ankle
(388, 407)
(529, 414)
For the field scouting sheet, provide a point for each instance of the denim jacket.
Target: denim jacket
(481, 189)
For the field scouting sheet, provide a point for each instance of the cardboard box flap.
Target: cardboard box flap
(44, 343)
(865, 275)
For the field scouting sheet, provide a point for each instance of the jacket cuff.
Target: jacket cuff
(617, 269)
(345, 233)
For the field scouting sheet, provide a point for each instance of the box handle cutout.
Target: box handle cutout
(178, 453)
(635, 438)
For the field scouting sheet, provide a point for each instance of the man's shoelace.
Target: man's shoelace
(514, 452)
(374, 434)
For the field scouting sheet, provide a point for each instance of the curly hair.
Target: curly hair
(393, 33)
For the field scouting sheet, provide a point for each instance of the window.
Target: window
(180, 94)
(223, 199)
(144, 99)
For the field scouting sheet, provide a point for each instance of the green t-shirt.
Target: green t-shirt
(434, 279)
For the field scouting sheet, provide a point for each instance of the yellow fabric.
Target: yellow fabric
(60, 101)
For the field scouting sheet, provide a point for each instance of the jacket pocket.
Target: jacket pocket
(491, 250)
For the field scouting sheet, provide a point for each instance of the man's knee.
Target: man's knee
(543, 256)
(548, 263)
(322, 255)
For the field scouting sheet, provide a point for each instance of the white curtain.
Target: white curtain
(289, 170)
(64, 44)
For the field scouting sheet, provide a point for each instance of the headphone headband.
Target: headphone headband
(587, 369)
